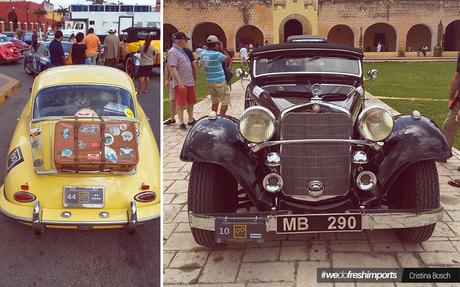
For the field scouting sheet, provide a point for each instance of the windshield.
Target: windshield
(288, 64)
(83, 101)
(4, 40)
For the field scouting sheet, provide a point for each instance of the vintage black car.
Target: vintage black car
(310, 155)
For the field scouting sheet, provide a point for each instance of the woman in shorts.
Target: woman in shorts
(147, 54)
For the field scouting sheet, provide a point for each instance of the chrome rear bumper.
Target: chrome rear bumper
(372, 219)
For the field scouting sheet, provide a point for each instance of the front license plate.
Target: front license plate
(83, 197)
(239, 229)
(315, 223)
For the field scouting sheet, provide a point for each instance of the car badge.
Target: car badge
(316, 89)
(316, 108)
(315, 188)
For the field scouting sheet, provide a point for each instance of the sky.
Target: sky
(66, 3)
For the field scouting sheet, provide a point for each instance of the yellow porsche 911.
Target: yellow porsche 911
(83, 154)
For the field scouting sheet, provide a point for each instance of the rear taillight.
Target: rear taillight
(146, 196)
(145, 186)
(23, 196)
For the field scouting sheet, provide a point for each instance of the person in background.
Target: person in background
(172, 96)
(78, 50)
(450, 125)
(111, 48)
(147, 53)
(92, 42)
(183, 80)
(244, 56)
(73, 39)
(212, 60)
(57, 55)
(34, 39)
(266, 43)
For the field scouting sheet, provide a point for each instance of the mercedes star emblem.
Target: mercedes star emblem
(316, 89)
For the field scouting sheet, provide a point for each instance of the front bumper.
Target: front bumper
(371, 219)
(40, 217)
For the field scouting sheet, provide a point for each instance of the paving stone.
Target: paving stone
(438, 246)
(168, 229)
(351, 247)
(306, 273)
(363, 260)
(166, 198)
(221, 266)
(182, 242)
(183, 227)
(175, 176)
(187, 276)
(182, 216)
(442, 229)
(170, 212)
(273, 284)
(191, 260)
(179, 186)
(180, 198)
(352, 235)
(292, 253)
(387, 247)
(266, 272)
(412, 246)
(440, 258)
(382, 235)
(167, 257)
(408, 260)
(456, 243)
(261, 254)
(455, 227)
(318, 252)
(454, 214)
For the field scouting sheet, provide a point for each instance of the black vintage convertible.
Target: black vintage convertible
(308, 155)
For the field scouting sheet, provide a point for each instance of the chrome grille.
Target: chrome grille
(327, 162)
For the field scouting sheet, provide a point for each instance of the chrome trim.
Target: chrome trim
(266, 183)
(372, 183)
(132, 216)
(372, 219)
(273, 159)
(66, 214)
(37, 225)
(315, 188)
(257, 91)
(311, 198)
(359, 157)
(374, 145)
(364, 112)
(338, 108)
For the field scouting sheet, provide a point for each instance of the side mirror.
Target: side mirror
(373, 74)
(240, 73)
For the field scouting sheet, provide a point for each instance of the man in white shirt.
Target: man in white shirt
(244, 56)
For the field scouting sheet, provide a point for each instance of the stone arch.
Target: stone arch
(249, 34)
(168, 31)
(203, 30)
(383, 33)
(296, 25)
(451, 36)
(13, 17)
(341, 34)
(418, 36)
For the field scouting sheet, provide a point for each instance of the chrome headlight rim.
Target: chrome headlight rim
(270, 115)
(363, 114)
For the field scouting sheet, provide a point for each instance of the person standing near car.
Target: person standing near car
(183, 80)
(92, 42)
(212, 60)
(450, 125)
(147, 53)
(111, 48)
(78, 50)
(244, 56)
(57, 55)
(34, 40)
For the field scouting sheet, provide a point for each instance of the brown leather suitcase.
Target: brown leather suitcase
(95, 145)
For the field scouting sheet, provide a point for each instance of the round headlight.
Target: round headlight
(375, 123)
(257, 124)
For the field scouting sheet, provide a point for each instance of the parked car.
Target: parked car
(10, 35)
(39, 60)
(8, 51)
(22, 46)
(83, 154)
(28, 38)
(132, 41)
(310, 155)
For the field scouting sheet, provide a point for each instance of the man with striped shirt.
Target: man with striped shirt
(211, 59)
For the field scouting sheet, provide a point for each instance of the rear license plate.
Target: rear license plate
(239, 229)
(83, 197)
(316, 223)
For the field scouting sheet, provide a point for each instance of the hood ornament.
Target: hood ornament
(316, 91)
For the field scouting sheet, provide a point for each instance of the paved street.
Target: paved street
(75, 258)
(291, 261)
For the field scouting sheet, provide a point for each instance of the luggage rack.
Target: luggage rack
(36, 142)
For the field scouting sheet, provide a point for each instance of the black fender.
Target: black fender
(411, 141)
(219, 141)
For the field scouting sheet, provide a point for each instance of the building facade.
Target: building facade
(21, 14)
(398, 25)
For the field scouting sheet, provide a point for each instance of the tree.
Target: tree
(100, 2)
(62, 11)
(39, 12)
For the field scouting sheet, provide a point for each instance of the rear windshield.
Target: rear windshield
(83, 101)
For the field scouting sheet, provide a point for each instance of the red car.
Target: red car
(8, 51)
(22, 46)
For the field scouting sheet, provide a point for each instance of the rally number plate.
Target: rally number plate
(316, 223)
(83, 197)
(239, 229)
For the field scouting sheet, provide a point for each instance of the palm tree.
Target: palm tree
(39, 12)
(100, 2)
(62, 10)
